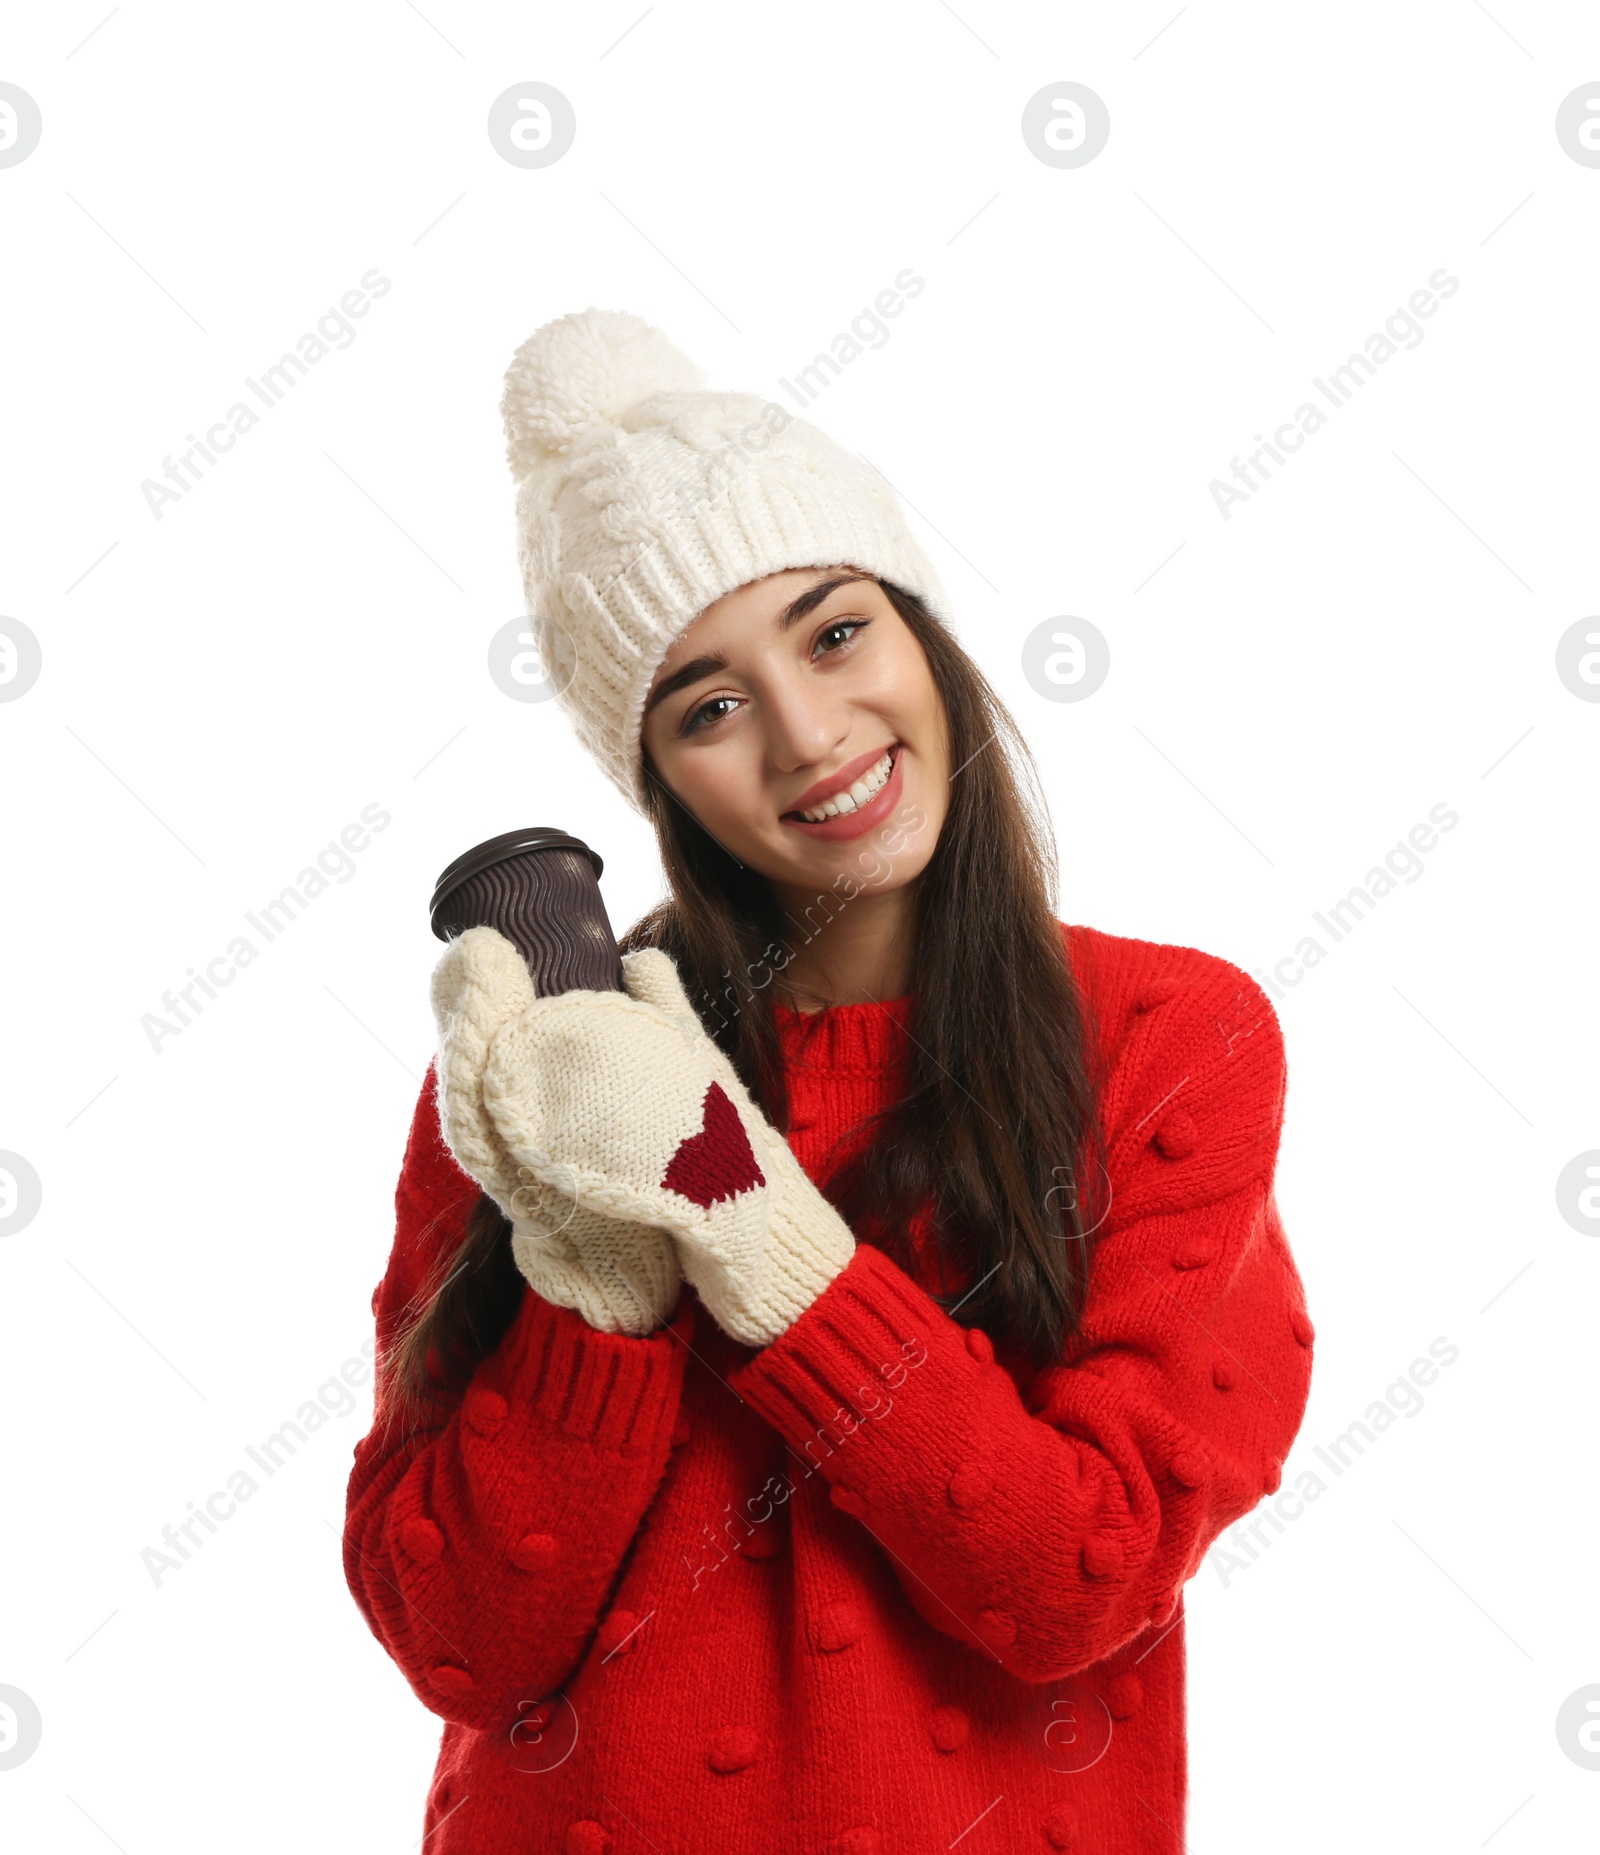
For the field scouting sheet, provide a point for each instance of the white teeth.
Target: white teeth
(852, 798)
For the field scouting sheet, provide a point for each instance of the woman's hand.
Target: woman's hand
(622, 1104)
(620, 1275)
(755, 1283)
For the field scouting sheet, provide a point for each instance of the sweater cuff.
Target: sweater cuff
(847, 1353)
(617, 1391)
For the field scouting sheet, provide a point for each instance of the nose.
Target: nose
(805, 724)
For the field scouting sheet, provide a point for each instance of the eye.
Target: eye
(848, 625)
(703, 716)
(698, 718)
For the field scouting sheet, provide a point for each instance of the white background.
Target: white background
(1292, 688)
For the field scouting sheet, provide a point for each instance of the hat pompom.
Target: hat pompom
(582, 371)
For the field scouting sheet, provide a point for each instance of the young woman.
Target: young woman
(809, 1376)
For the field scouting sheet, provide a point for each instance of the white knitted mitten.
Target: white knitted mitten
(620, 1275)
(623, 1103)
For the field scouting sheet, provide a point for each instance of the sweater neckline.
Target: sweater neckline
(863, 1035)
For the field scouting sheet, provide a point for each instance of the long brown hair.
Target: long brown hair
(994, 1136)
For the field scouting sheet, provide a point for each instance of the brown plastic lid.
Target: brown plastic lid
(498, 850)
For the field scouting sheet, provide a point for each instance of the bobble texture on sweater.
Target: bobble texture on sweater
(837, 1593)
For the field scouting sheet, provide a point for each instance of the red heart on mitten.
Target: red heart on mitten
(716, 1162)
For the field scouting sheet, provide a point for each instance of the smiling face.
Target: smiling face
(798, 721)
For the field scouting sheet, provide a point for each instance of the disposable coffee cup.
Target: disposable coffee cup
(540, 887)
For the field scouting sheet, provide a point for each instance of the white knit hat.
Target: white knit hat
(642, 498)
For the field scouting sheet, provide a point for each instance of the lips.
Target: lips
(841, 781)
(847, 825)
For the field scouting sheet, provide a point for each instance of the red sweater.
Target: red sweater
(868, 1590)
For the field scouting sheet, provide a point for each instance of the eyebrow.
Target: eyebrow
(699, 668)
